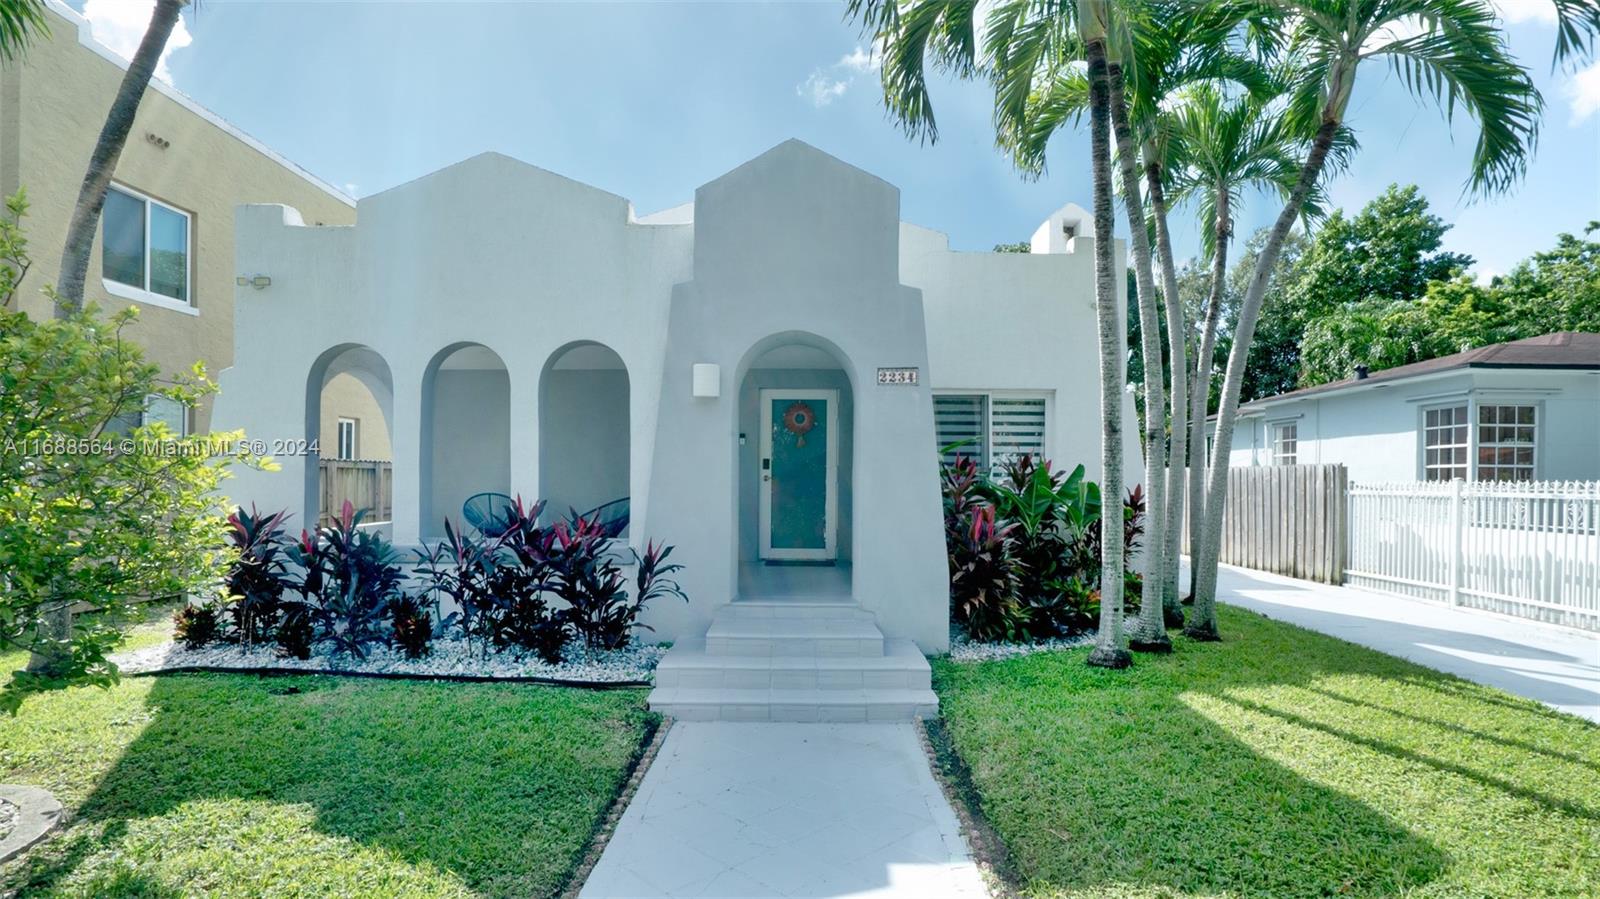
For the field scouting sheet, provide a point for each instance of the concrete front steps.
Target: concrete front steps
(794, 660)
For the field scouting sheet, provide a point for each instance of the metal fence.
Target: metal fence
(366, 483)
(1521, 548)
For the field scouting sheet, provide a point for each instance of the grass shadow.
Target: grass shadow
(1242, 768)
(339, 786)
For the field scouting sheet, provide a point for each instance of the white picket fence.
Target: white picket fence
(1521, 548)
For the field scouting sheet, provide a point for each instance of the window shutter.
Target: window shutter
(958, 418)
(1016, 426)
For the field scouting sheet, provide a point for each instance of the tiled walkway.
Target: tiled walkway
(1557, 666)
(787, 810)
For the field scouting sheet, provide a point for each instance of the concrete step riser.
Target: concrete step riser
(778, 645)
(747, 612)
(779, 679)
(844, 714)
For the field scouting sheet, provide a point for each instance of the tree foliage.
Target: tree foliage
(91, 518)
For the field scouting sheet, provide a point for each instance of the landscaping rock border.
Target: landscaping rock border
(37, 813)
(973, 651)
(451, 660)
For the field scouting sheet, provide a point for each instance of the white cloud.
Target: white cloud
(828, 83)
(1518, 11)
(120, 26)
(1583, 93)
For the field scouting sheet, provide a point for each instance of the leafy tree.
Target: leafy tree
(90, 518)
(1021, 246)
(1556, 290)
(1450, 52)
(1275, 353)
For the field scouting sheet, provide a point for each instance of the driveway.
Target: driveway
(759, 809)
(1557, 666)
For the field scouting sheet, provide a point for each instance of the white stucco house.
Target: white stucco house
(1525, 410)
(766, 372)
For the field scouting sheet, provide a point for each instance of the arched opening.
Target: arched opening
(584, 434)
(466, 433)
(796, 470)
(349, 410)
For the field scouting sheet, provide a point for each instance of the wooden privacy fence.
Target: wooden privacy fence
(366, 483)
(1288, 519)
(1525, 548)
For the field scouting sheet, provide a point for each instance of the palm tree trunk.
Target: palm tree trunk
(1177, 349)
(1150, 634)
(1202, 383)
(1108, 650)
(103, 161)
(1203, 623)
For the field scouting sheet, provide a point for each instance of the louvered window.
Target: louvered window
(989, 426)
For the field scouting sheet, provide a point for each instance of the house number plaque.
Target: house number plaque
(903, 375)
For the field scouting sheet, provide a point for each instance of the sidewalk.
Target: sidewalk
(1555, 665)
(765, 809)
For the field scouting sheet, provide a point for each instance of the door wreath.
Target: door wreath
(798, 419)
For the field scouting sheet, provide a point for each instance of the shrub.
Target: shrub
(296, 633)
(257, 578)
(196, 625)
(983, 579)
(411, 627)
(90, 516)
(466, 570)
(350, 577)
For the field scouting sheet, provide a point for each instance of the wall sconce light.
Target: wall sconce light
(707, 380)
(256, 281)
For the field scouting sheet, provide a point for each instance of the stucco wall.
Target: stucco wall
(345, 396)
(471, 433)
(583, 438)
(1375, 431)
(52, 106)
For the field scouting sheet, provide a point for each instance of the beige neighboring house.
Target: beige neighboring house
(165, 243)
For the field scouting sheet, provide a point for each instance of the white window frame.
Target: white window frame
(141, 293)
(1477, 436)
(339, 442)
(989, 396)
(146, 418)
(1275, 441)
(1470, 446)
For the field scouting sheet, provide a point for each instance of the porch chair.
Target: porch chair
(488, 512)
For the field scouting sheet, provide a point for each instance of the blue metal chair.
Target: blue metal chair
(613, 516)
(488, 512)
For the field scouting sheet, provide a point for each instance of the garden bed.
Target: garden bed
(451, 659)
(964, 649)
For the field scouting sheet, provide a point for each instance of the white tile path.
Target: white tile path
(1557, 666)
(766, 809)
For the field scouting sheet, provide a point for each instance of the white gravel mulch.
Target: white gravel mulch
(450, 657)
(8, 818)
(964, 650)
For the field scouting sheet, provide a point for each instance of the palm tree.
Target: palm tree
(1220, 148)
(1027, 42)
(20, 22)
(1448, 51)
(107, 150)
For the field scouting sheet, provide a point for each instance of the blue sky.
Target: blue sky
(648, 100)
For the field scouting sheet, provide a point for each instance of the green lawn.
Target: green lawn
(1278, 763)
(227, 785)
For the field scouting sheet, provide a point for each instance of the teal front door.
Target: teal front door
(799, 474)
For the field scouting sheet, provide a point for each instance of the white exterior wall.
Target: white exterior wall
(1376, 431)
(794, 247)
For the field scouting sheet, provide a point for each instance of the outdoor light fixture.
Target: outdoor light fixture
(256, 281)
(707, 380)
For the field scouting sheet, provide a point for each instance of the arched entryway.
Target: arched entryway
(796, 469)
(584, 433)
(466, 433)
(349, 410)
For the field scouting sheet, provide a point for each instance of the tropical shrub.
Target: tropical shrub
(349, 578)
(296, 632)
(411, 627)
(585, 573)
(92, 512)
(257, 578)
(1024, 548)
(196, 625)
